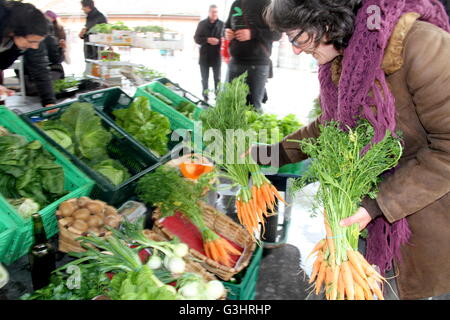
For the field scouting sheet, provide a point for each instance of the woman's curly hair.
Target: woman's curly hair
(334, 19)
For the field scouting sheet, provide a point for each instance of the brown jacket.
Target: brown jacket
(417, 65)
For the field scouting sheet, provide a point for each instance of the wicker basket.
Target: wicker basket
(222, 224)
(67, 240)
(191, 265)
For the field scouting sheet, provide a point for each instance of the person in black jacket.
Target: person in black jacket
(51, 48)
(250, 46)
(22, 29)
(209, 36)
(93, 18)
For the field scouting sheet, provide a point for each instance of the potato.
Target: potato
(101, 215)
(109, 211)
(68, 221)
(67, 208)
(95, 207)
(80, 225)
(74, 230)
(94, 221)
(112, 221)
(59, 214)
(82, 214)
(83, 201)
(94, 230)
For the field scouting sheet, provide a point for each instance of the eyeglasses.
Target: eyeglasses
(293, 41)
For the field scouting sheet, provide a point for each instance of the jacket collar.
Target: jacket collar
(393, 55)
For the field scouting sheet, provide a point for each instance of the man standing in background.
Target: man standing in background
(209, 36)
(93, 18)
(250, 46)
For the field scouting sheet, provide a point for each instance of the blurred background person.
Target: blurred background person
(93, 18)
(22, 29)
(250, 46)
(209, 35)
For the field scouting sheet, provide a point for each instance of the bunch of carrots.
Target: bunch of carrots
(218, 248)
(352, 279)
(253, 203)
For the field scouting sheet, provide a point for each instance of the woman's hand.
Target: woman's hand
(5, 92)
(361, 216)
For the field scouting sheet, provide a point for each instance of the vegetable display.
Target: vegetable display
(253, 202)
(150, 128)
(147, 74)
(347, 172)
(186, 108)
(166, 189)
(80, 131)
(275, 129)
(29, 176)
(60, 85)
(113, 267)
(108, 28)
(155, 29)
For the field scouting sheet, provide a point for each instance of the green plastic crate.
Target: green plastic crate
(121, 148)
(107, 100)
(177, 120)
(76, 183)
(292, 169)
(246, 290)
(7, 232)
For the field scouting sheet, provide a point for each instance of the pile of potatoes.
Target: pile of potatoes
(83, 215)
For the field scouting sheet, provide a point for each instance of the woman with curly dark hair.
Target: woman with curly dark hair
(386, 61)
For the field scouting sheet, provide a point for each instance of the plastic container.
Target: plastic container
(132, 210)
(107, 100)
(177, 120)
(246, 289)
(76, 183)
(121, 148)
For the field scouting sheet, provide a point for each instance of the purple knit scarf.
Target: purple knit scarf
(361, 69)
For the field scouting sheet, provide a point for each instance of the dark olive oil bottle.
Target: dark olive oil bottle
(41, 256)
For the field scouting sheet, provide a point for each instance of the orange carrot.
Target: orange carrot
(270, 195)
(317, 247)
(329, 282)
(316, 267)
(224, 257)
(359, 292)
(368, 269)
(334, 284)
(213, 250)
(230, 248)
(375, 288)
(348, 280)
(354, 260)
(358, 279)
(341, 288)
(275, 191)
(320, 277)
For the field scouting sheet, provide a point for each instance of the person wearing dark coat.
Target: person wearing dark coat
(251, 42)
(209, 36)
(22, 29)
(93, 18)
